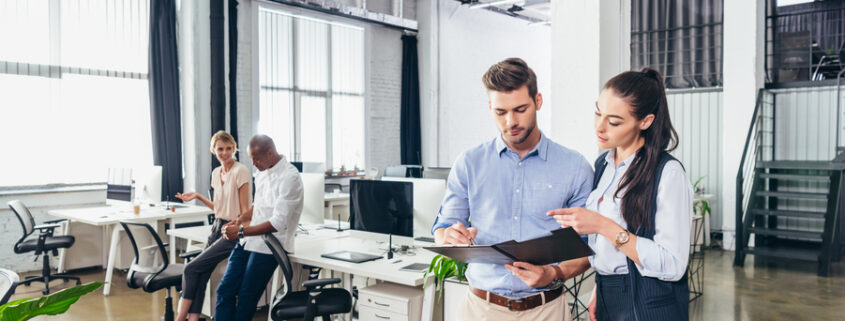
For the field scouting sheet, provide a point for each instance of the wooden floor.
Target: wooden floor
(762, 290)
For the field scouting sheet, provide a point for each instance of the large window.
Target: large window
(311, 95)
(680, 38)
(74, 99)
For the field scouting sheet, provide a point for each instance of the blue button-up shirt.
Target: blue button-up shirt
(507, 198)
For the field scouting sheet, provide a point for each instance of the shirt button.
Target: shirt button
(517, 190)
(520, 163)
(516, 218)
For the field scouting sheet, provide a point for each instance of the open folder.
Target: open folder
(564, 244)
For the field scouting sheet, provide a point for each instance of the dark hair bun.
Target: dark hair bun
(652, 73)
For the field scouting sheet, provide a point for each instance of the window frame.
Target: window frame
(296, 94)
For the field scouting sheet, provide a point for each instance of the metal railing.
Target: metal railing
(759, 147)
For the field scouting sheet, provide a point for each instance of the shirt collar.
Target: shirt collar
(611, 158)
(278, 168)
(541, 149)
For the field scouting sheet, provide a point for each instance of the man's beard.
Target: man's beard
(520, 140)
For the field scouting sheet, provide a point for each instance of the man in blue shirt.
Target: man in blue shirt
(504, 188)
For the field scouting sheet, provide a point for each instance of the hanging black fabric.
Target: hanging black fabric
(218, 80)
(165, 109)
(409, 128)
(233, 69)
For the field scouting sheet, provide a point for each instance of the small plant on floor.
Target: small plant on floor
(702, 206)
(52, 304)
(443, 268)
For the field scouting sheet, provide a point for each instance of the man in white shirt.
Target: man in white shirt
(276, 209)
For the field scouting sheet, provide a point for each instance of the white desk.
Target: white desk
(310, 246)
(109, 216)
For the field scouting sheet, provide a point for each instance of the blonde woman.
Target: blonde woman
(230, 182)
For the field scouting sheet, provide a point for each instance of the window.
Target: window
(311, 95)
(73, 85)
(680, 38)
(805, 42)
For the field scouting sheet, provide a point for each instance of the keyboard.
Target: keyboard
(424, 239)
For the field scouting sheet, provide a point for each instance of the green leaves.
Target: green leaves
(56, 303)
(443, 268)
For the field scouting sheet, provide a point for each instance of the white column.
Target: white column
(744, 39)
(194, 63)
(590, 44)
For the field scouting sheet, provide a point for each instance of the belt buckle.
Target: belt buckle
(520, 300)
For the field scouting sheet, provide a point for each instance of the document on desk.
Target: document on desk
(562, 245)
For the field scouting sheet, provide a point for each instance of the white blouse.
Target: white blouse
(665, 257)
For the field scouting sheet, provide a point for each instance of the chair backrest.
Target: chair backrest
(436, 172)
(403, 171)
(24, 216)
(150, 253)
(283, 261)
(8, 282)
(330, 187)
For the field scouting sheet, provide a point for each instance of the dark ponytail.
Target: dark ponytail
(645, 93)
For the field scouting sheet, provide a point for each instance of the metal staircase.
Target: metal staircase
(788, 208)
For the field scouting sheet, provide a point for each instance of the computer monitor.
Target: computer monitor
(313, 185)
(298, 166)
(428, 195)
(382, 207)
(148, 184)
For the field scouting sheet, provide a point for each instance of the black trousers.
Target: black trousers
(198, 272)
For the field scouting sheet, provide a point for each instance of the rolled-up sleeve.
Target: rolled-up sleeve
(455, 206)
(287, 207)
(665, 257)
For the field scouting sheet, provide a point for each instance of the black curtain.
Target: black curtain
(409, 128)
(233, 68)
(680, 38)
(165, 109)
(218, 67)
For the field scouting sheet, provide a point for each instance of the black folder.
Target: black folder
(564, 244)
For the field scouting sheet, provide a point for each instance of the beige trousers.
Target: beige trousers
(476, 309)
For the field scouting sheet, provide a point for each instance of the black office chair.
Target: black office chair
(313, 301)
(151, 269)
(8, 283)
(43, 245)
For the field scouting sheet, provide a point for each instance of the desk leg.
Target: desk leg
(428, 299)
(172, 248)
(66, 231)
(115, 238)
(273, 289)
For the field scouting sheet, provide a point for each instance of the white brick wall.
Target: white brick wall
(384, 97)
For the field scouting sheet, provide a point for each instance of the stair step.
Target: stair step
(808, 252)
(796, 177)
(800, 195)
(813, 236)
(807, 214)
(816, 165)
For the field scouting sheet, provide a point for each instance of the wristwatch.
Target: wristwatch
(241, 232)
(621, 238)
(556, 284)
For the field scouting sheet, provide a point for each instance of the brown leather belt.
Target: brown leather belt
(521, 304)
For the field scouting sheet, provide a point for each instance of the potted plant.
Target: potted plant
(56, 303)
(701, 208)
(449, 281)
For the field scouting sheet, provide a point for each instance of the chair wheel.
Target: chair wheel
(78, 282)
(45, 292)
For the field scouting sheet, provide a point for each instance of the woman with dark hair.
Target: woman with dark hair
(639, 214)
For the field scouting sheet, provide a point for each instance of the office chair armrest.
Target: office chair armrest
(55, 221)
(310, 284)
(48, 227)
(190, 254)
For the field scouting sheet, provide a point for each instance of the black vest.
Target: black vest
(653, 299)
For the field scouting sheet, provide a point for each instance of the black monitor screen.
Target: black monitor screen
(382, 206)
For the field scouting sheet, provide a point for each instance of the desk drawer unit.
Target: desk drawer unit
(389, 301)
